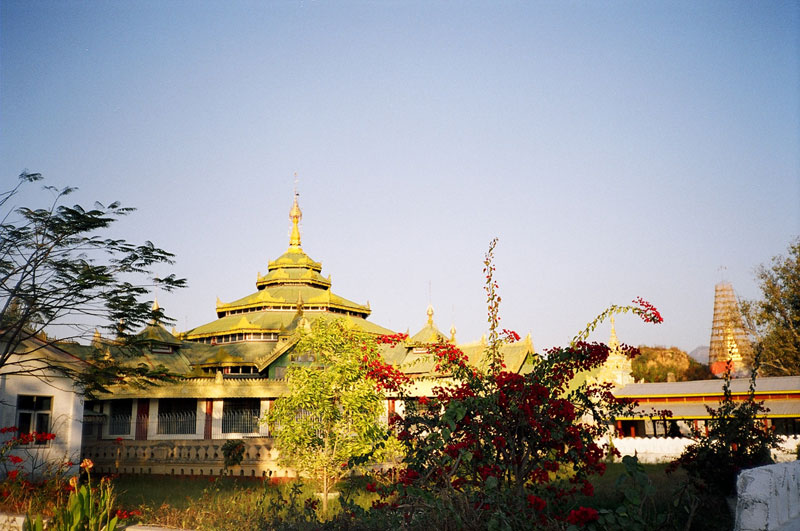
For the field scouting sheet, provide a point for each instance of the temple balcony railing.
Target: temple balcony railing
(195, 457)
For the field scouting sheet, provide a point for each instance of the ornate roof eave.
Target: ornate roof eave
(204, 387)
(264, 282)
(265, 361)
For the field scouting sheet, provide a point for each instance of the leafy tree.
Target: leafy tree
(775, 319)
(58, 273)
(656, 363)
(329, 418)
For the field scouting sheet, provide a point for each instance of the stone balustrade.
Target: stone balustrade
(203, 457)
(183, 457)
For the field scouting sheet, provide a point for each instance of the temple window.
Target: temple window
(240, 415)
(120, 418)
(161, 349)
(177, 416)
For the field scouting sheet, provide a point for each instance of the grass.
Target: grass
(229, 503)
(221, 503)
(183, 492)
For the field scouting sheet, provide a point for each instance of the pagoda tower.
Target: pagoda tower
(729, 342)
(617, 369)
(258, 329)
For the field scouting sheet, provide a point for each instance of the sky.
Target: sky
(616, 149)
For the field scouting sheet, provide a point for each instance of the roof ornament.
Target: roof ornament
(155, 310)
(613, 342)
(453, 334)
(295, 215)
(430, 314)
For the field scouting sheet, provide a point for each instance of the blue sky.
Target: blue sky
(616, 149)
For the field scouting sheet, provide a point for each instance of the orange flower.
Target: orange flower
(87, 464)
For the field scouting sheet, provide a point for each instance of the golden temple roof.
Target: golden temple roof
(293, 282)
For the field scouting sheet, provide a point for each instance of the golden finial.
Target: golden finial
(430, 314)
(613, 342)
(453, 334)
(295, 214)
(155, 308)
(97, 339)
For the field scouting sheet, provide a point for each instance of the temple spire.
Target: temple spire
(295, 215)
(613, 342)
(430, 314)
(155, 309)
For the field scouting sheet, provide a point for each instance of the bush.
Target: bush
(736, 440)
(233, 452)
(495, 449)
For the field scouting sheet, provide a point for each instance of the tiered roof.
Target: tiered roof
(292, 288)
(259, 332)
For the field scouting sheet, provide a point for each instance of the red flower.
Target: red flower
(423, 400)
(15, 459)
(536, 502)
(649, 313)
(582, 516)
(408, 476)
(371, 487)
(13, 474)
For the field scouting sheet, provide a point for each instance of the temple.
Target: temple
(233, 368)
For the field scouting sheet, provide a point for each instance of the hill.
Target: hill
(656, 363)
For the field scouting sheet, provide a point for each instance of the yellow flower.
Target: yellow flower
(73, 482)
(87, 464)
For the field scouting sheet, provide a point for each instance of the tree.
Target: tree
(57, 273)
(329, 418)
(774, 321)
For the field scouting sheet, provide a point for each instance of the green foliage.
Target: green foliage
(775, 319)
(329, 417)
(33, 523)
(654, 364)
(233, 452)
(638, 510)
(57, 271)
(87, 509)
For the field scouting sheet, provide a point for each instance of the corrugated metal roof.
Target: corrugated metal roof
(773, 384)
(697, 410)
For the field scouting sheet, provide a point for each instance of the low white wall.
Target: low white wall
(652, 449)
(665, 449)
(769, 498)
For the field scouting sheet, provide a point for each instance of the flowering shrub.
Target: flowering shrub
(494, 448)
(30, 481)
